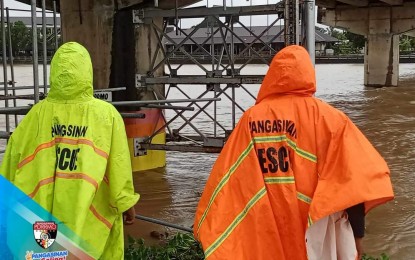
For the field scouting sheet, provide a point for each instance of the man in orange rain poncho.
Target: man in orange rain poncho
(292, 166)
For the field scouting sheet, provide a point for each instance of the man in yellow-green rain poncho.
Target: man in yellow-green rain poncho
(70, 155)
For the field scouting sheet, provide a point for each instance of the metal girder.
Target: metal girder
(133, 115)
(359, 3)
(163, 4)
(393, 2)
(223, 75)
(139, 15)
(28, 97)
(292, 20)
(203, 80)
(155, 102)
(49, 3)
(171, 107)
(145, 103)
(4, 135)
(15, 110)
(326, 3)
(181, 148)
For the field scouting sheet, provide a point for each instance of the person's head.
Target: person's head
(290, 72)
(71, 74)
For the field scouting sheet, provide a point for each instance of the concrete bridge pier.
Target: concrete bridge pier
(381, 25)
(381, 60)
(91, 25)
(120, 50)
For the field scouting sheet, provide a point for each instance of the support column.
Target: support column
(90, 22)
(146, 51)
(381, 25)
(382, 60)
(382, 49)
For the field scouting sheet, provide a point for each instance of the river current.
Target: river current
(385, 115)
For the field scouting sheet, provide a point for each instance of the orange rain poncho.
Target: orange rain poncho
(291, 161)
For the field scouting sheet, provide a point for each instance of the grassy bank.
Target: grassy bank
(180, 247)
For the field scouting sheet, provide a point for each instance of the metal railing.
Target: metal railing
(221, 78)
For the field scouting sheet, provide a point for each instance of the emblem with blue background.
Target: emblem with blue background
(27, 231)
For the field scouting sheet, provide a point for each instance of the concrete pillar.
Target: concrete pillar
(145, 52)
(381, 25)
(116, 61)
(146, 49)
(90, 22)
(382, 60)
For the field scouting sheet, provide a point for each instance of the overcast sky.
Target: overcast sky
(12, 4)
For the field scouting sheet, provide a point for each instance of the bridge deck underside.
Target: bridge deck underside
(164, 4)
(359, 3)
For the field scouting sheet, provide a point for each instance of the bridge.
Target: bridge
(381, 22)
(91, 22)
(126, 42)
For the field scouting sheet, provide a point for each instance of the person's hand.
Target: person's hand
(129, 216)
(359, 247)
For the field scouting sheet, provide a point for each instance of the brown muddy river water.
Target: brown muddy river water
(386, 116)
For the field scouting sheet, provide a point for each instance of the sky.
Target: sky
(12, 4)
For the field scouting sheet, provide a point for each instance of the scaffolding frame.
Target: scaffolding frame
(220, 76)
(7, 59)
(222, 72)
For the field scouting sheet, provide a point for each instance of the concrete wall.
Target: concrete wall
(381, 25)
(91, 24)
(164, 4)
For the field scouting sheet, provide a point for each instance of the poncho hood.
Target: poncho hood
(291, 72)
(71, 74)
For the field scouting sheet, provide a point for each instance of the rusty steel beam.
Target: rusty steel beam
(326, 3)
(163, 4)
(201, 12)
(359, 3)
(393, 2)
(181, 148)
(49, 4)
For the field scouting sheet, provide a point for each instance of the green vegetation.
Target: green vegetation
(406, 43)
(178, 247)
(350, 43)
(383, 256)
(22, 39)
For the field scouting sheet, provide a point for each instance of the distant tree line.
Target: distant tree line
(350, 43)
(22, 39)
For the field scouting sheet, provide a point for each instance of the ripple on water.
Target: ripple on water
(385, 115)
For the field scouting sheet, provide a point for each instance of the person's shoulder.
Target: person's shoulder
(34, 112)
(104, 106)
(328, 110)
(102, 103)
(30, 120)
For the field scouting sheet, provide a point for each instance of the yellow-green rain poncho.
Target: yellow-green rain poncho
(70, 154)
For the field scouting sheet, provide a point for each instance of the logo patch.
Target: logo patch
(45, 233)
